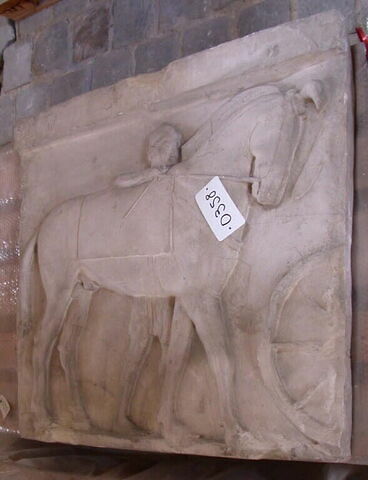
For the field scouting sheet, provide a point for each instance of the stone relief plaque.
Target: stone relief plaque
(139, 328)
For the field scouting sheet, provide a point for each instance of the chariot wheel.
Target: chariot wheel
(297, 356)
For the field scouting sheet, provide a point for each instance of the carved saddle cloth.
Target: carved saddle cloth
(122, 222)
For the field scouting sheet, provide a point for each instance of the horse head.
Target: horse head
(276, 138)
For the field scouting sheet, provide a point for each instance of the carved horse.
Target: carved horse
(151, 240)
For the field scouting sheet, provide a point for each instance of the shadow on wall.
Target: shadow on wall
(36, 461)
(7, 36)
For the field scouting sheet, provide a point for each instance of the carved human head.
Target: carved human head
(164, 146)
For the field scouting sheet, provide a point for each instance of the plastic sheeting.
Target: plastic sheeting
(9, 223)
(9, 264)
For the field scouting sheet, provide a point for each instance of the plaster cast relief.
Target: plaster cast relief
(139, 329)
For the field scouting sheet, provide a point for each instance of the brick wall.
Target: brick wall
(78, 45)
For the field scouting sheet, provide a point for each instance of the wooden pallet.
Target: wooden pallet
(19, 9)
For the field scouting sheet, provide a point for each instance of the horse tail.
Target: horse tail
(25, 280)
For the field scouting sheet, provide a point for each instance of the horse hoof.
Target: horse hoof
(240, 441)
(79, 419)
(81, 425)
(179, 436)
(127, 428)
(42, 425)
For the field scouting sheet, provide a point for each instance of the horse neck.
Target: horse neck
(225, 152)
(221, 145)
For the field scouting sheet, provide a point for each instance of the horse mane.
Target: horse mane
(224, 114)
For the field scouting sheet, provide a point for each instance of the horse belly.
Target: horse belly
(123, 222)
(133, 276)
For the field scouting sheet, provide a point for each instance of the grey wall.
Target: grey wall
(78, 45)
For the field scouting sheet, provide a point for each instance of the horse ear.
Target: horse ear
(314, 91)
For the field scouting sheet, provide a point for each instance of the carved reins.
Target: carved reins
(224, 177)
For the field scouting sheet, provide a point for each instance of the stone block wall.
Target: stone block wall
(79, 45)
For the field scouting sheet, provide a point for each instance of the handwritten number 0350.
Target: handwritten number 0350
(226, 217)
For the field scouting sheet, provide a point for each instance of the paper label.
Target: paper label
(218, 209)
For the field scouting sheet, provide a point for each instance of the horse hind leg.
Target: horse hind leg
(48, 331)
(68, 350)
(176, 433)
(140, 343)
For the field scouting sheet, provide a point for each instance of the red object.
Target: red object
(19, 9)
(363, 37)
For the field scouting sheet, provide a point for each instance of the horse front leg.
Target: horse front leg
(207, 316)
